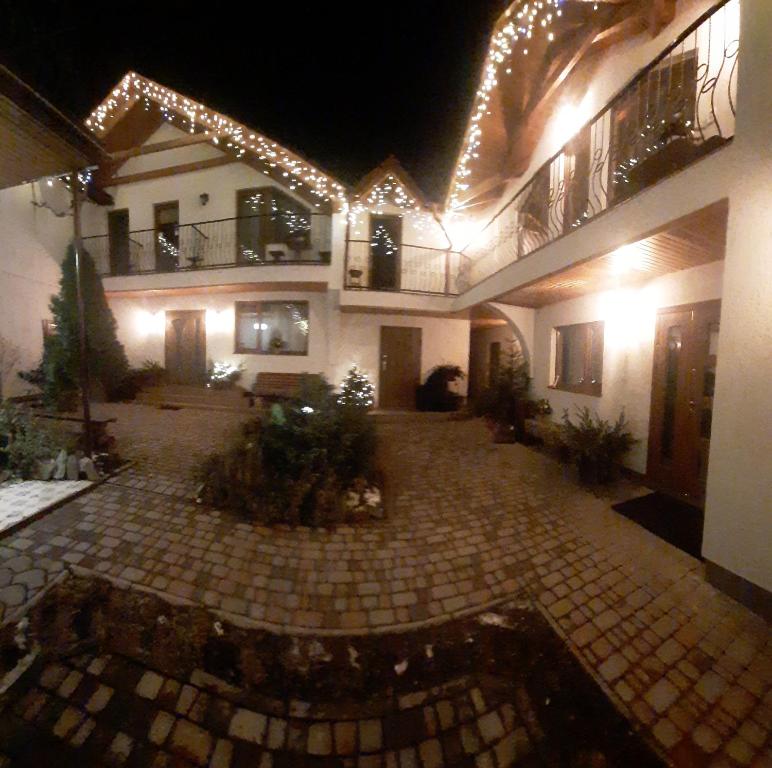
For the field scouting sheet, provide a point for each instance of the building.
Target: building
(607, 214)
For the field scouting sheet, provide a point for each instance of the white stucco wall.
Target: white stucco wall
(142, 324)
(628, 351)
(32, 243)
(738, 512)
(355, 339)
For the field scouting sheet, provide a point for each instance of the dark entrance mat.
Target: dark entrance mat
(675, 521)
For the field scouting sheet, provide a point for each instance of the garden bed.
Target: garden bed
(123, 673)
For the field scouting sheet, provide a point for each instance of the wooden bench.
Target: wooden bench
(270, 387)
(101, 440)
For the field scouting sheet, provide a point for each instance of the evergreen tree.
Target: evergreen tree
(356, 390)
(107, 361)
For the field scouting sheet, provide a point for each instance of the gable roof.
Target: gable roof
(143, 105)
(404, 186)
(37, 140)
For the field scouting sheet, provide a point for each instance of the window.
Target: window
(271, 225)
(579, 358)
(272, 327)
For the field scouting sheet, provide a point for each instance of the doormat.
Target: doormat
(675, 521)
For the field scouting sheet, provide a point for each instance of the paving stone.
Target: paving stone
(160, 727)
(662, 695)
(370, 735)
(491, 727)
(68, 721)
(431, 753)
(13, 595)
(345, 738)
(191, 742)
(99, 699)
(69, 684)
(121, 746)
(248, 725)
(320, 739)
(222, 755)
(615, 666)
(149, 685)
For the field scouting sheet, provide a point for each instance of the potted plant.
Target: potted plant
(503, 402)
(435, 393)
(595, 445)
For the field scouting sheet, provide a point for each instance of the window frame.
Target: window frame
(257, 306)
(590, 330)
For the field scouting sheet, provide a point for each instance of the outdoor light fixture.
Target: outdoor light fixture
(204, 198)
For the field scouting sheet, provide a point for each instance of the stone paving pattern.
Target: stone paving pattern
(108, 710)
(469, 523)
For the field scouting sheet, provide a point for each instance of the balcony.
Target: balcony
(676, 110)
(402, 268)
(247, 241)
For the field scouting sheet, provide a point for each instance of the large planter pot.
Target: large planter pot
(594, 471)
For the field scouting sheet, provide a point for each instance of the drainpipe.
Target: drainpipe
(83, 342)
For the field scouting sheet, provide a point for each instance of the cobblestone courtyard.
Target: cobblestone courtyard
(469, 524)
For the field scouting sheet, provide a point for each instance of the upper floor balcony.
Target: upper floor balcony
(245, 241)
(675, 111)
(385, 264)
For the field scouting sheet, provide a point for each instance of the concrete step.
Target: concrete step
(203, 398)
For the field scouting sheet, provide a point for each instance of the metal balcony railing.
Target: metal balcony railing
(410, 269)
(237, 242)
(675, 111)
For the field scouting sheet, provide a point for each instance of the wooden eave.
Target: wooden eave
(38, 140)
(390, 167)
(521, 102)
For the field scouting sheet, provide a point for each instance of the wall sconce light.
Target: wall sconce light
(204, 198)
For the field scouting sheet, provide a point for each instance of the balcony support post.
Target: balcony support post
(77, 242)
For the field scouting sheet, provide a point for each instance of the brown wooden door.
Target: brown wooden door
(167, 236)
(400, 366)
(186, 346)
(684, 375)
(118, 238)
(385, 252)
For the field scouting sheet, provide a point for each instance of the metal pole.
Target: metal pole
(84, 377)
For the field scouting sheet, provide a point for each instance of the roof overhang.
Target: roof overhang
(37, 140)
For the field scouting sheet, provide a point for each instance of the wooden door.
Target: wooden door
(400, 366)
(385, 252)
(167, 236)
(186, 346)
(118, 239)
(684, 373)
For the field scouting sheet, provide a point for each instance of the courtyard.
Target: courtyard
(470, 527)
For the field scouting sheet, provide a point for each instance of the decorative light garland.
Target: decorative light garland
(520, 22)
(192, 116)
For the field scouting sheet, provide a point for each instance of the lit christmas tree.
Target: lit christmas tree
(356, 390)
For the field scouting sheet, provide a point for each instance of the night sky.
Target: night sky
(344, 83)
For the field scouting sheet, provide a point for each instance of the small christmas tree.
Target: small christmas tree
(107, 361)
(356, 391)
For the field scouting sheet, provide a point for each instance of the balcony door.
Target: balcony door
(271, 226)
(400, 366)
(684, 374)
(385, 257)
(119, 243)
(186, 346)
(167, 236)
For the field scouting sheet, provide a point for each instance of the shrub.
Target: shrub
(23, 441)
(356, 389)
(434, 394)
(595, 445)
(502, 402)
(221, 375)
(295, 464)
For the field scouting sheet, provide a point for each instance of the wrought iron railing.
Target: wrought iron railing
(675, 111)
(237, 242)
(411, 269)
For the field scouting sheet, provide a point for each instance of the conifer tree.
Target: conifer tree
(356, 389)
(107, 361)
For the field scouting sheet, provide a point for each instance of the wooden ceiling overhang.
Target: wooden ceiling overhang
(696, 239)
(527, 87)
(138, 106)
(37, 140)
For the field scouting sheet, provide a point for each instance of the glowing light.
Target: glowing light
(626, 259)
(150, 323)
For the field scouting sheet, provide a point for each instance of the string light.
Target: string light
(519, 23)
(193, 117)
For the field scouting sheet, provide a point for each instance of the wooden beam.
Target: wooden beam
(162, 146)
(173, 170)
(628, 27)
(662, 12)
